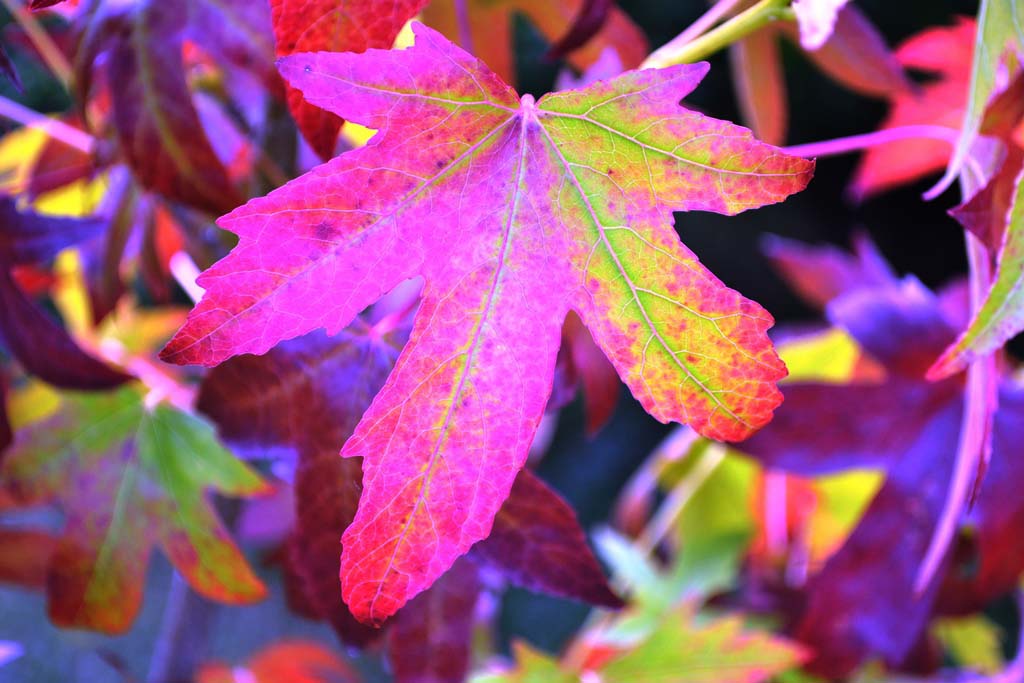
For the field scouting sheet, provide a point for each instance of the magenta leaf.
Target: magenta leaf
(493, 201)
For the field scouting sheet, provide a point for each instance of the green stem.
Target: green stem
(724, 35)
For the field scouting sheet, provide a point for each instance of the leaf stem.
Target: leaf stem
(184, 634)
(51, 54)
(698, 28)
(856, 143)
(55, 128)
(974, 445)
(679, 51)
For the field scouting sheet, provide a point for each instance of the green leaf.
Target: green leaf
(129, 478)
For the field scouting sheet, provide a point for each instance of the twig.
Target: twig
(696, 29)
(184, 634)
(724, 35)
(55, 128)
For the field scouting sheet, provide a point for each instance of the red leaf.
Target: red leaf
(857, 56)
(947, 53)
(590, 19)
(596, 374)
(40, 4)
(159, 131)
(537, 543)
(24, 557)
(284, 662)
(496, 214)
(59, 164)
(431, 638)
(333, 26)
(760, 86)
(44, 348)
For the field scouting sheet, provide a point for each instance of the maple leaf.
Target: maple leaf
(514, 212)
(680, 650)
(127, 478)
(333, 26)
(683, 652)
(863, 602)
(491, 26)
(308, 394)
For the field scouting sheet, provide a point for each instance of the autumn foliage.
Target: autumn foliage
(299, 299)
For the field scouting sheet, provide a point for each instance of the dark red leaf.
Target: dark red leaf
(597, 376)
(537, 543)
(44, 348)
(59, 164)
(430, 639)
(40, 4)
(333, 26)
(25, 556)
(157, 124)
(589, 20)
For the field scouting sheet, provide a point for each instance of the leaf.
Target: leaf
(42, 346)
(760, 85)
(1001, 314)
(857, 56)
(816, 19)
(284, 662)
(491, 25)
(1000, 29)
(863, 604)
(238, 33)
(128, 478)
(597, 376)
(308, 393)
(531, 667)
(40, 4)
(536, 543)
(589, 20)
(430, 639)
(683, 652)
(973, 642)
(821, 273)
(447, 434)
(59, 165)
(333, 26)
(157, 125)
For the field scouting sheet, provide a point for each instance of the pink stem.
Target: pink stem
(981, 396)
(55, 128)
(856, 143)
